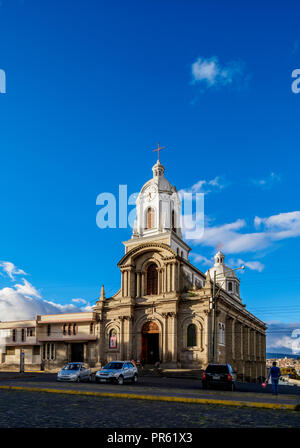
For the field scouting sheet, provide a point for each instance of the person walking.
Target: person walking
(275, 374)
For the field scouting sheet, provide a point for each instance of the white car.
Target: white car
(75, 371)
(117, 372)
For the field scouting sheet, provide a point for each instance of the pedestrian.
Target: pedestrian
(275, 374)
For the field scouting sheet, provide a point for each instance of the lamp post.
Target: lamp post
(213, 307)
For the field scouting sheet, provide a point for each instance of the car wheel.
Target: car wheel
(204, 385)
(78, 379)
(97, 380)
(90, 378)
(134, 379)
(120, 380)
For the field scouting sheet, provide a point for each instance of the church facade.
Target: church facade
(166, 310)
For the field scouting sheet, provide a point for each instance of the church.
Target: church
(166, 309)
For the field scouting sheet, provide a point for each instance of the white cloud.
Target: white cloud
(198, 258)
(274, 228)
(79, 300)
(267, 182)
(283, 338)
(252, 265)
(27, 289)
(23, 301)
(204, 186)
(11, 270)
(209, 72)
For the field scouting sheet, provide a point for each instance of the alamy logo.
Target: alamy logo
(296, 84)
(2, 81)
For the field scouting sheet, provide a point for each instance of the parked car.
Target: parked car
(75, 371)
(117, 372)
(219, 374)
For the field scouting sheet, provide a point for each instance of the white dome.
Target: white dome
(225, 277)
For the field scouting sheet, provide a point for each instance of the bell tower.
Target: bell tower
(158, 211)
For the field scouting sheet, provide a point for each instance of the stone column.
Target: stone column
(233, 336)
(125, 284)
(254, 345)
(173, 319)
(165, 337)
(138, 284)
(143, 284)
(121, 318)
(129, 338)
(158, 281)
(122, 283)
(173, 277)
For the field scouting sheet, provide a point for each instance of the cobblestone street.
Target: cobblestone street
(20, 409)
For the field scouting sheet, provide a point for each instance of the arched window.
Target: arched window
(74, 329)
(191, 335)
(92, 328)
(152, 279)
(229, 286)
(64, 329)
(150, 218)
(173, 221)
(113, 338)
(69, 330)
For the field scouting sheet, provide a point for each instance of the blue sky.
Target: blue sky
(92, 86)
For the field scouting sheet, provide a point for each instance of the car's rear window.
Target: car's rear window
(217, 368)
(114, 365)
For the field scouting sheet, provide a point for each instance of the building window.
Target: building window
(192, 335)
(150, 224)
(237, 289)
(48, 330)
(36, 350)
(49, 351)
(152, 279)
(69, 329)
(10, 351)
(64, 329)
(221, 333)
(173, 221)
(14, 335)
(30, 332)
(23, 335)
(92, 328)
(113, 338)
(74, 329)
(230, 286)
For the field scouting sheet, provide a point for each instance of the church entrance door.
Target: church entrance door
(150, 343)
(77, 352)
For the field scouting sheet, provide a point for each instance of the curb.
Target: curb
(251, 404)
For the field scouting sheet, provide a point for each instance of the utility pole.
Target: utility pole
(213, 324)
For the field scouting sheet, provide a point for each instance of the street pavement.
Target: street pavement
(29, 409)
(19, 409)
(159, 386)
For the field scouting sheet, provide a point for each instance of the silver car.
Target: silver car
(117, 372)
(75, 371)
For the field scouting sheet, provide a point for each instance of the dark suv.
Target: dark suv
(219, 374)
